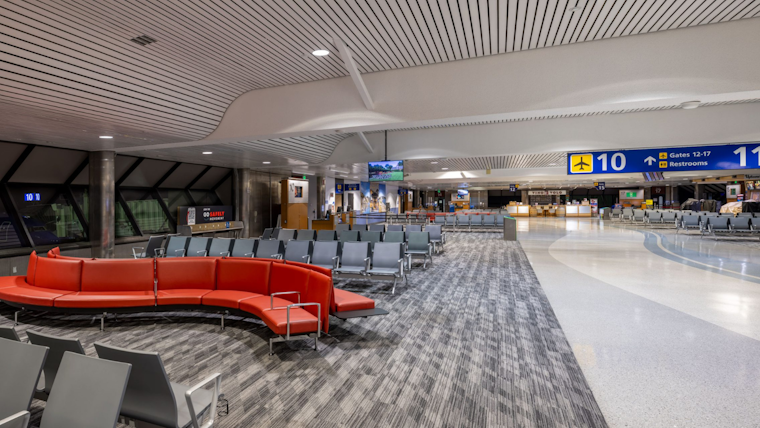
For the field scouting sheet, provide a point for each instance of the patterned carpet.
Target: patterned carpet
(471, 342)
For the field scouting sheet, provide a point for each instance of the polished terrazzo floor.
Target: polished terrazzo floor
(666, 327)
(471, 342)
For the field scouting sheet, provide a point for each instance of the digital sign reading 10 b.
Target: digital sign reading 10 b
(31, 197)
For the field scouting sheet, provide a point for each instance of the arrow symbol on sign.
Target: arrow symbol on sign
(650, 160)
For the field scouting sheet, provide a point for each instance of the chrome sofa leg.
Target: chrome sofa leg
(103, 322)
(15, 317)
(316, 342)
(271, 347)
(223, 320)
(393, 290)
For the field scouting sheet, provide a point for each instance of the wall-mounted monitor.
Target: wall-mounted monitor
(386, 171)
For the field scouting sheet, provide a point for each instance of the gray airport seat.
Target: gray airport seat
(176, 246)
(726, 214)
(388, 260)
(151, 249)
(299, 251)
(745, 215)
(412, 228)
(306, 235)
(419, 244)
(394, 236)
(711, 214)
(270, 249)
(349, 236)
(395, 228)
(198, 247)
(9, 333)
(437, 235)
(88, 393)
(627, 214)
(616, 213)
(355, 259)
(654, 217)
(327, 235)
(463, 220)
(377, 228)
(152, 398)
(220, 247)
(326, 254)
(18, 420)
(286, 235)
(692, 221)
(669, 217)
(638, 216)
(57, 346)
(500, 220)
(742, 225)
(371, 237)
(489, 220)
(244, 247)
(476, 220)
(267, 233)
(275, 233)
(342, 227)
(440, 219)
(19, 374)
(717, 224)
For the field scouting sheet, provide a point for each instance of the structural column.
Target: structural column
(320, 197)
(243, 201)
(102, 200)
(697, 191)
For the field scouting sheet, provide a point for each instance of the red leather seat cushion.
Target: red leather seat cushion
(183, 274)
(227, 298)
(289, 278)
(181, 297)
(32, 268)
(101, 299)
(12, 281)
(117, 276)
(301, 321)
(323, 271)
(58, 274)
(31, 295)
(348, 301)
(249, 275)
(258, 305)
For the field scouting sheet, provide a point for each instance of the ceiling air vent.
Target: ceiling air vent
(143, 40)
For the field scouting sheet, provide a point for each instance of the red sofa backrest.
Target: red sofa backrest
(319, 291)
(243, 274)
(31, 270)
(58, 274)
(286, 277)
(323, 271)
(117, 275)
(55, 252)
(184, 273)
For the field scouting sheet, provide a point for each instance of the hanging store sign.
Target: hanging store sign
(547, 192)
(701, 158)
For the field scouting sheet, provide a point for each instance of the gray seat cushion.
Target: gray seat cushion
(350, 269)
(383, 271)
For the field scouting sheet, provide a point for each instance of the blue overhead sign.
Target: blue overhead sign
(599, 185)
(513, 187)
(700, 158)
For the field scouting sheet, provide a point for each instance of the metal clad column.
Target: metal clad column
(320, 197)
(243, 191)
(102, 200)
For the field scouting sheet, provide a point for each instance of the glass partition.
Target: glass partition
(9, 237)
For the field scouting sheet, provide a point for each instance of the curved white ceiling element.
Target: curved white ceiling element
(164, 70)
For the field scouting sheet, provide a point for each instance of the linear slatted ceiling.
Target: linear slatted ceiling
(76, 57)
(543, 160)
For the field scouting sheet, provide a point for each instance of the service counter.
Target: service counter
(519, 210)
(578, 211)
(323, 224)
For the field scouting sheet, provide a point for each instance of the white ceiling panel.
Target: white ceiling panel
(79, 58)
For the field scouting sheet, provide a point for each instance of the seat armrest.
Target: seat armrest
(180, 251)
(202, 253)
(217, 379)
(20, 419)
(401, 267)
(135, 254)
(159, 252)
(307, 258)
(248, 255)
(336, 262)
(276, 256)
(366, 264)
(300, 305)
(224, 254)
(271, 297)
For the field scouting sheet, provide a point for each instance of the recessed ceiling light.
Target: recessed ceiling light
(552, 164)
(320, 52)
(207, 153)
(106, 137)
(690, 105)
(444, 168)
(434, 162)
(266, 162)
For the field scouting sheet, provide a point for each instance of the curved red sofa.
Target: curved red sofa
(261, 287)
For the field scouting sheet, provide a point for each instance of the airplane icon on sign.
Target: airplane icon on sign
(581, 164)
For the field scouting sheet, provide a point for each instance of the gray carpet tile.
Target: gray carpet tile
(471, 342)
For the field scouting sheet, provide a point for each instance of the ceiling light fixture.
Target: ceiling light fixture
(321, 52)
(266, 162)
(434, 162)
(444, 169)
(207, 153)
(690, 105)
(106, 137)
(552, 164)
